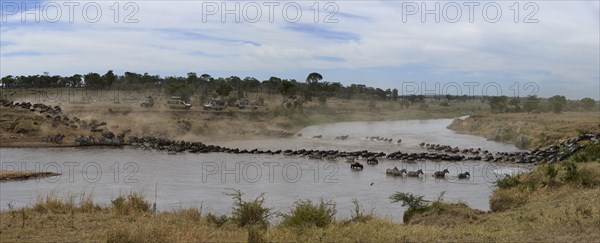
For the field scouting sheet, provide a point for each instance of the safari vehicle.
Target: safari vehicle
(245, 104)
(176, 102)
(147, 102)
(216, 105)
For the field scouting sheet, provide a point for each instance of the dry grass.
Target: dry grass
(566, 211)
(540, 129)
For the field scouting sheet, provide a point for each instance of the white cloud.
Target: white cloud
(171, 38)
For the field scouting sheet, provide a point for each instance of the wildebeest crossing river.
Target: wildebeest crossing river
(186, 180)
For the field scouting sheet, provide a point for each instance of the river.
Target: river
(200, 180)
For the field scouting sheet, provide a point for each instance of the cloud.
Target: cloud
(330, 59)
(369, 43)
(319, 31)
(21, 54)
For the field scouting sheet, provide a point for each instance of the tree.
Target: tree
(224, 89)
(206, 77)
(312, 79)
(93, 80)
(180, 89)
(587, 103)
(498, 104)
(287, 89)
(8, 81)
(557, 103)
(531, 103)
(192, 77)
(515, 102)
(108, 79)
(388, 94)
(394, 94)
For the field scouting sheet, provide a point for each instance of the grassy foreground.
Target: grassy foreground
(552, 203)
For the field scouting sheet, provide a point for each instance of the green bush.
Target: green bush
(550, 172)
(305, 213)
(588, 154)
(571, 172)
(508, 181)
(580, 176)
(416, 204)
(249, 213)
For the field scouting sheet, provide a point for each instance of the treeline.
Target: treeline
(204, 86)
(556, 104)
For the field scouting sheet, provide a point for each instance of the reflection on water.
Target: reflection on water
(199, 180)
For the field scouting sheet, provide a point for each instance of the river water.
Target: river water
(200, 180)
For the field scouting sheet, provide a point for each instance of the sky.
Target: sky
(513, 48)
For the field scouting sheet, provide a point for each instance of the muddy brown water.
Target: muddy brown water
(200, 180)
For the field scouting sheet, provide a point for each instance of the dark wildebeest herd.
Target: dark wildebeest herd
(436, 152)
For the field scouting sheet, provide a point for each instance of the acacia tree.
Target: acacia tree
(312, 79)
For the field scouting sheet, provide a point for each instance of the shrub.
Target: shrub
(358, 214)
(133, 202)
(251, 213)
(416, 204)
(584, 177)
(217, 220)
(508, 181)
(504, 199)
(588, 154)
(571, 172)
(53, 204)
(305, 213)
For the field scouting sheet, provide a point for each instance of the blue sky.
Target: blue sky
(378, 43)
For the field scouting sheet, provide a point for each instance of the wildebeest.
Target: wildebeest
(464, 175)
(58, 138)
(441, 174)
(372, 161)
(356, 166)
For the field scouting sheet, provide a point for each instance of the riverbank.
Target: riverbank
(21, 127)
(11, 175)
(528, 131)
(555, 202)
